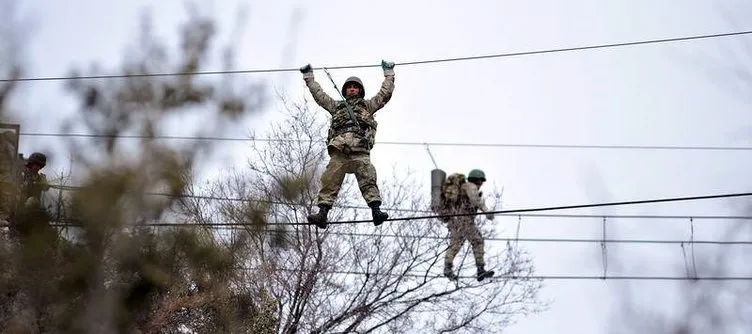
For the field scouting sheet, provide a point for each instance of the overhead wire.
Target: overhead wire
(551, 208)
(591, 277)
(404, 143)
(575, 146)
(549, 276)
(538, 276)
(244, 227)
(530, 277)
(416, 62)
(514, 212)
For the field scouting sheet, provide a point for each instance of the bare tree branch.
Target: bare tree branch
(313, 273)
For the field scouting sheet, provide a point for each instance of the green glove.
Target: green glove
(388, 67)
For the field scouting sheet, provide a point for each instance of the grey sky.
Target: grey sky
(643, 95)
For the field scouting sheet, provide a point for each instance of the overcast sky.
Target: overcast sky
(642, 95)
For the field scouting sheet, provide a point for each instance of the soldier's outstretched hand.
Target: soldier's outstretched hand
(490, 216)
(307, 72)
(388, 67)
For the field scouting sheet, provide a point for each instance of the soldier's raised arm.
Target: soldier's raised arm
(319, 95)
(387, 88)
(476, 200)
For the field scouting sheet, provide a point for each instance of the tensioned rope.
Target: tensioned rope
(550, 208)
(396, 209)
(528, 277)
(416, 62)
(403, 143)
(233, 226)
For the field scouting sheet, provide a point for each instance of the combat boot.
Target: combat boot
(483, 273)
(449, 273)
(320, 218)
(378, 216)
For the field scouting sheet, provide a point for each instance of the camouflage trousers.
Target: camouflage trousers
(461, 229)
(340, 164)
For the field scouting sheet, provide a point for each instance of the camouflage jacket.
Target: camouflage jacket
(342, 135)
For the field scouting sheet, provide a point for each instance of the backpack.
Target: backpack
(451, 192)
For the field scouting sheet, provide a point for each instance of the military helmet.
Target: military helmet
(357, 81)
(37, 158)
(476, 174)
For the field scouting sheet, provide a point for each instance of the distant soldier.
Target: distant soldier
(28, 213)
(349, 142)
(33, 183)
(463, 197)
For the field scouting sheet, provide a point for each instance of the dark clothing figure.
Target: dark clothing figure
(28, 214)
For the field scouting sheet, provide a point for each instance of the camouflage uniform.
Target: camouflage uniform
(463, 228)
(348, 145)
(28, 205)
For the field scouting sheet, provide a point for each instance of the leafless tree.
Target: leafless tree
(353, 278)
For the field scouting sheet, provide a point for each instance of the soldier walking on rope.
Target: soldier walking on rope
(351, 137)
(460, 197)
